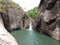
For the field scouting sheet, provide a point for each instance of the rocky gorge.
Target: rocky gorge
(47, 20)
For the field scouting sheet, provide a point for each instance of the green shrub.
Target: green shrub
(33, 12)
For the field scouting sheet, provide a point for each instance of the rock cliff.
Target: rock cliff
(48, 18)
(13, 16)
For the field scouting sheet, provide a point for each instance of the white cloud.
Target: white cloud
(27, 4)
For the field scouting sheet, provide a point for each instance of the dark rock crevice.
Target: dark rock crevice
(51, 4)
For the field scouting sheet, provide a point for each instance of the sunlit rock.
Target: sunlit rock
(5, 37)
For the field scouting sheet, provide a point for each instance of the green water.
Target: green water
(29, 37)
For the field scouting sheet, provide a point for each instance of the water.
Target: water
(30, 25)
(27, 37)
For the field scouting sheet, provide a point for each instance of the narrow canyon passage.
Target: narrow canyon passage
(26, 20)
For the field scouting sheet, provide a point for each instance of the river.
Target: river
(28, 37)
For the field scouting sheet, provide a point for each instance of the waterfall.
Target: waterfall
(30, 25)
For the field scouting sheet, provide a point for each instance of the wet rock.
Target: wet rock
(48, 18)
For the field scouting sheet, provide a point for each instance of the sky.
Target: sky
(27, 4)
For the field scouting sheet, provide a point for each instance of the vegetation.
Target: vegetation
(32, 13)
(2, 6)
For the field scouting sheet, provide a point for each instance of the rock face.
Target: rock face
(5, 37)
(48, 18)
(15, 17)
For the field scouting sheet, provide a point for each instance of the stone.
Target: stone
(48, 18)
(15, 18)
(5, 37)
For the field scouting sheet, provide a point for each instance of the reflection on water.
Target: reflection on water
(30, 25)
(27, 37)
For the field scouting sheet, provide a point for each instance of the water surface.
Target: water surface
(30, 37)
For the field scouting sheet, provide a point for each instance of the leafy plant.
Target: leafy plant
(2, 6)
(32, 13)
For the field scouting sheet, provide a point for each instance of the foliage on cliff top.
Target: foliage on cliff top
(10, 4)
(2, 6)
(33, 12)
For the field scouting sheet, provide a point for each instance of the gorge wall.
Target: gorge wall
(48, 18)
(13, 16)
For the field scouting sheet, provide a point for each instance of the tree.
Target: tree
(32, 13)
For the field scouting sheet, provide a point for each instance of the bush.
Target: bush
(32, 13)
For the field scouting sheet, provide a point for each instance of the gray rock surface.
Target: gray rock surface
(15, 18)
(48, 18)
(5, 37)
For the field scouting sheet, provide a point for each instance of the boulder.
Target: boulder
(48, 18)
